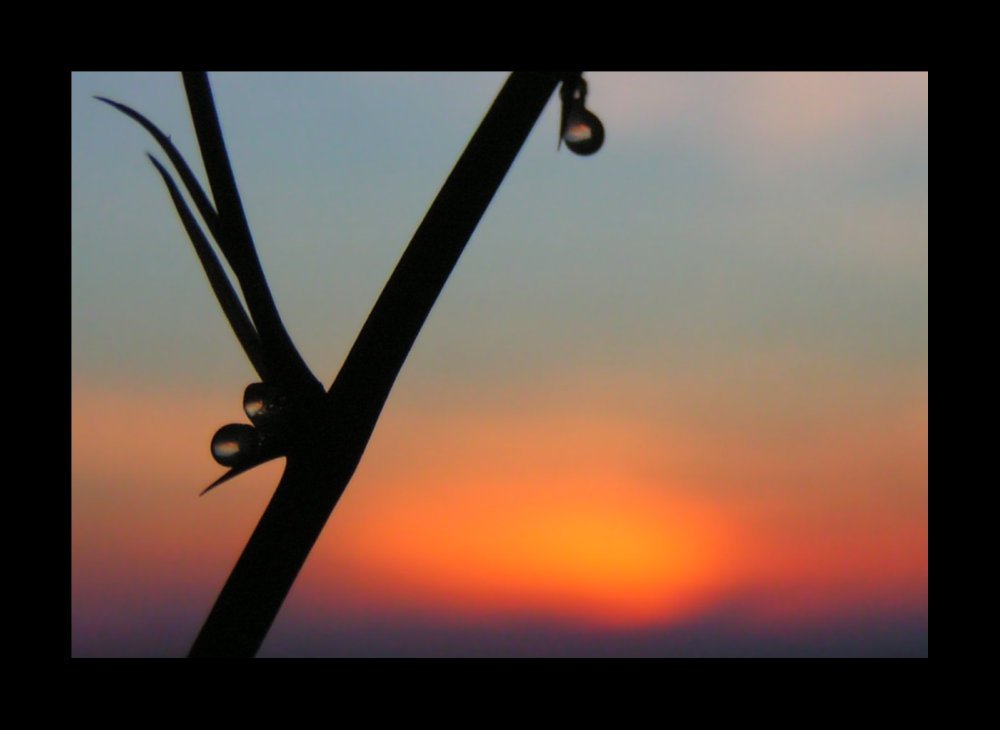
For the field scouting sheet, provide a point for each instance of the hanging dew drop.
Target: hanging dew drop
(235, 444)
(580, 128)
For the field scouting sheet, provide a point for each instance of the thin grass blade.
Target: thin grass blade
(197, 193)
(234, 472)
(237, 244)
(224, 292)
(242, 254)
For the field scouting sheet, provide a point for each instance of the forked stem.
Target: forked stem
(317, 473)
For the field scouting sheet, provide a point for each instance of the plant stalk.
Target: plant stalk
(325, 456)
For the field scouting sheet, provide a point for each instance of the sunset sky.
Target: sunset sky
(672, 401)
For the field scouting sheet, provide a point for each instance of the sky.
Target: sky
(673, 400)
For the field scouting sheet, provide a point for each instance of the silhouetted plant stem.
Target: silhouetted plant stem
(283, 360)
(332, 435)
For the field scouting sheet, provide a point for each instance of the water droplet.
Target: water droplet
(580, 128)
(261, 401)
(235, 445)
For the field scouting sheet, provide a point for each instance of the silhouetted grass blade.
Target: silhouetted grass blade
(197, 193)
(234, 472)
(284, 361)
(224, 292)
(237, 470)
(221, 180)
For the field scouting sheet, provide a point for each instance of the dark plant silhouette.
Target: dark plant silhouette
(323, 433)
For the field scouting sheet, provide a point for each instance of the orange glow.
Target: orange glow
(139, 460)
(612, 556)
(574, 512)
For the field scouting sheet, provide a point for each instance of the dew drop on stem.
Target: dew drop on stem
(235, 444)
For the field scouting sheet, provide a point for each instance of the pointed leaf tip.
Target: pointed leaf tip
(156, 163)
(112, 102)
(237, 470)
(224, 478)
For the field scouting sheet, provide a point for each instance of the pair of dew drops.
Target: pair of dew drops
(237, 444)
